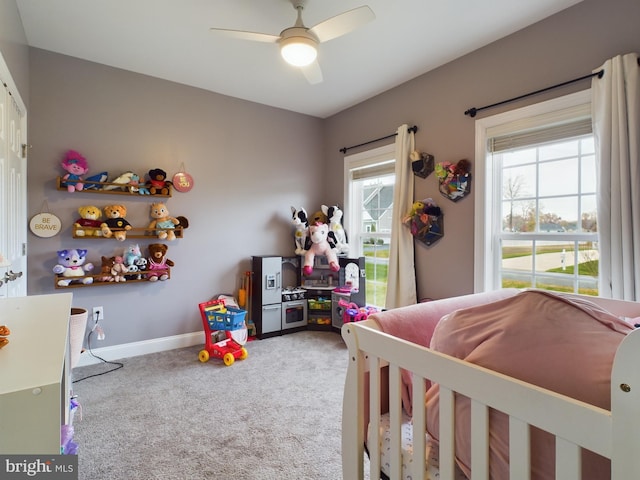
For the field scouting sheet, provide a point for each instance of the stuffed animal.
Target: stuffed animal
(158, 262)
(105, 269)
(72, 267)
(318, 244)
(115, 224)
(4, 333)
(136, 186)
(75, 166)
(318, 217)
(301, 222)
(131, 254)
(334, 214)
(167, 224)
(88, 225)
(100, 178)
(158, 184)
(121, 182)
(119, 269)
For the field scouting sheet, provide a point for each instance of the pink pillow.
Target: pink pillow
(542, 338)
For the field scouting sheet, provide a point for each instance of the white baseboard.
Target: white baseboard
(144, 347)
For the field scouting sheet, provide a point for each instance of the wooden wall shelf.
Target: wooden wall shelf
(119, 189)
(97, 283)
(134, 232)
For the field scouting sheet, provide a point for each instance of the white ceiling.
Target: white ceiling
(170, 39)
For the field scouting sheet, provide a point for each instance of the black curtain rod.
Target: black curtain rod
(413, 129)
(472, 111)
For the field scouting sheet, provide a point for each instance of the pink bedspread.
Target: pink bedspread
(416, 323)
(544, 339)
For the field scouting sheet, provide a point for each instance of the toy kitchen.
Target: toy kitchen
(283, 300)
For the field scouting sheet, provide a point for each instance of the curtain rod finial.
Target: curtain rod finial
(471, 112)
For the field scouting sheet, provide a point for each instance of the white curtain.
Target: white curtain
(401, 280)
(616, 127)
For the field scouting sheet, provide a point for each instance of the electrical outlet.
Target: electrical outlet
(98, 314)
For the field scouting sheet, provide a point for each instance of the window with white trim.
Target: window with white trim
(369, 183)
(536, 205)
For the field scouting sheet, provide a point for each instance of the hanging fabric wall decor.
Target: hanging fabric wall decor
(454, 179)
(425, 221)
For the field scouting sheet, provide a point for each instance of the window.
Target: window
(369, 182)
(536, 206)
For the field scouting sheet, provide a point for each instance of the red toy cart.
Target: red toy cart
(219, 321)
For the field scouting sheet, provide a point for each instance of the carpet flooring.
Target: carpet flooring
(275, 415)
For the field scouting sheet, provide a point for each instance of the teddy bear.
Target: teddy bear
(300, 220)
(72, 267)
(89, 223)
(115, 224)
(105, 269)
(165, 223)
(158, 266)
(75, 165)
(318, 244)
(158, 184)
(334, 214)
(4, 333)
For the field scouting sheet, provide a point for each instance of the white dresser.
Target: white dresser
(34, 374)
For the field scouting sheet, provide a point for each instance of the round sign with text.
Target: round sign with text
(182, 182)
(45, 225)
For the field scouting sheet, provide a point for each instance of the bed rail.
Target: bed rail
(613, 434)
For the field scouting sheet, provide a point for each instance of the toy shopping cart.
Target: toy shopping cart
(224, 331)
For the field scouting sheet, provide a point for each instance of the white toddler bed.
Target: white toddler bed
(383, 375)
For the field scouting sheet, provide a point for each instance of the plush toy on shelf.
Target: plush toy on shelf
(115, 224)
(89, 223)
(119, 269)
(72, 267)
(334, 214)
(121, 182)
(158, 266)
(164, 222)
(136, 186)
(105, 269)
(75, 165)
(300, 220)
(158, 184)
(318, 244)
(131, 254)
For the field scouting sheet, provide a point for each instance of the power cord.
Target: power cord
(118, 365)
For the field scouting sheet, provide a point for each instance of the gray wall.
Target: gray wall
(567, 45)
(251, 162)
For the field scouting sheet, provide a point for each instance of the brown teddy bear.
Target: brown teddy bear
(105, 269)
(115, 224)
(159, 264)
(158, 184)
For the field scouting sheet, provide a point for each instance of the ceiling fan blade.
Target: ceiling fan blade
(312, 73)
(244, 35)
(343, 23)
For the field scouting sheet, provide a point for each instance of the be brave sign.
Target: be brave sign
(45, 225)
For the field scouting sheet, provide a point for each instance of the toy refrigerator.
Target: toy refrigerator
(266, 303)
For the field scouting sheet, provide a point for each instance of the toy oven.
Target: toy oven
(294, 314)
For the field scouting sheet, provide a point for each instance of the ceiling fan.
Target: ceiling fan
(299, 44)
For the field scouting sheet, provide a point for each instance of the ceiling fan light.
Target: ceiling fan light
(298, 51)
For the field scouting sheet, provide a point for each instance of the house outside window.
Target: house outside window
(369, 183)
(536, 199)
